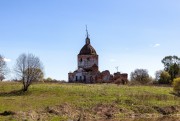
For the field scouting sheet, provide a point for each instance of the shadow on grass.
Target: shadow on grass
(14, 93)
(7, 113)
(175, 94)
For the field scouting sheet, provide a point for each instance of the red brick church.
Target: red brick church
(88, 68)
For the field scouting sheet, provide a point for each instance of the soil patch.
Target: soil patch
(168, 110)
(105, 111)
(98, 112)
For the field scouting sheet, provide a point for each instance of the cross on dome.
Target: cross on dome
(87, 38)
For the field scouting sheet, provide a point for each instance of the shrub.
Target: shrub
(165, 78)
(49, 79)
(176, 85)
(141, 76)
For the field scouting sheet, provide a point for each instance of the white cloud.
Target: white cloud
(7, 60)
(112, 60)
(156, 45)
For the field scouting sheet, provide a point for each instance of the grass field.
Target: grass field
(55, 101)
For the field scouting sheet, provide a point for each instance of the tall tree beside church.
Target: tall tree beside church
(29, 69)
(3, 68)
(172, 65)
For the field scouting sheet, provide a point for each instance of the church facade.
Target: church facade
(88, 67)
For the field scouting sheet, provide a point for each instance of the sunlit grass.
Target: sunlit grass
(84, 96)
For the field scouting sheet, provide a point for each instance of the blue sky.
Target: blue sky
(126, 33)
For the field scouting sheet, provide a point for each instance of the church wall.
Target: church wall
(82, 77)
(71, 77)
(87, 61)
(79, 76)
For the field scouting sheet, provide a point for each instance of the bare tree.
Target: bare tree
(3, 68)
(141, 76)
(158, 74)
(28, 68)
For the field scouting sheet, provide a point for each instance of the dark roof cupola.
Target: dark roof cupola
(87, 48)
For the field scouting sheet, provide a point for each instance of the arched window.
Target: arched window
(81, 60)
(88, 58)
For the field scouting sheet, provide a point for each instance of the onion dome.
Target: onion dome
(87, 49)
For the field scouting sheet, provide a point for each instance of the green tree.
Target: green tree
(49, 79)
(165, 78)
(172, 65)
(178, 75)
(176, 85)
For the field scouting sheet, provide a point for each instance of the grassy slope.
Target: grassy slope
(137, 99)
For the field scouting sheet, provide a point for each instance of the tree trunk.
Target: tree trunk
(25, 88)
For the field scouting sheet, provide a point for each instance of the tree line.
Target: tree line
(165, 76)
(170, 75)
(29, 68)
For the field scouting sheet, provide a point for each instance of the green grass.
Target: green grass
(139, 99)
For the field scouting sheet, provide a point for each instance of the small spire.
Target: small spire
(87, 34)
(87, 38)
